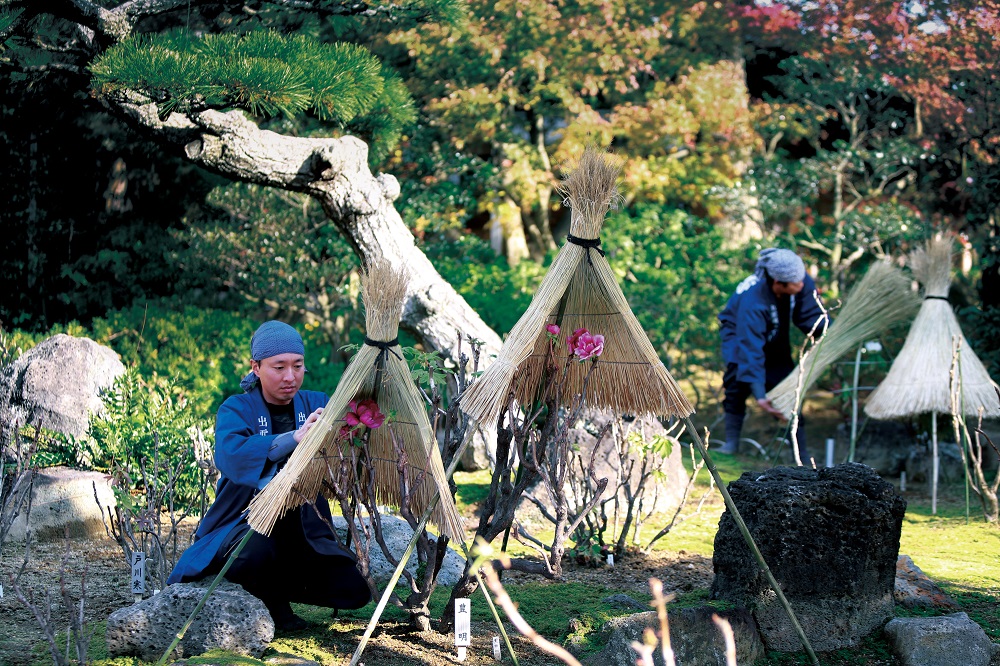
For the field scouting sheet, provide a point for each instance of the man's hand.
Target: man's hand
(766, 405)
(304, 428)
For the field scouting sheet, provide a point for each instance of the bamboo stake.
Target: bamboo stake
(934, 463)
(854, 404)
(745, 531)
(391, 585)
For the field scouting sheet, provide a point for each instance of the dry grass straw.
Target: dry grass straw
(301, 479)
(580, 291)
(918, 381)
(881, 298)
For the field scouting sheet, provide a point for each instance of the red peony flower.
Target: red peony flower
(365, 412)
(553, 329)
(369, 414)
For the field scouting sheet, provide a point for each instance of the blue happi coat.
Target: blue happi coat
(755, 332)
(243, 437)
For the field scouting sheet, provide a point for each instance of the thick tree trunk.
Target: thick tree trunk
(336, 173)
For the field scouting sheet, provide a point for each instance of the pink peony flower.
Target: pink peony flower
(573, 337)
(589, 346)
(553, 329)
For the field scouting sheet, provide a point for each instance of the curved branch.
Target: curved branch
(335, 172)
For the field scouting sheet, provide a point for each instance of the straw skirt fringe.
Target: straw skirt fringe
(629, 376)
(302, 477)
(919, 380)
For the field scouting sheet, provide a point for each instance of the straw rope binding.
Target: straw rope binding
(580, 291)
(919, 379)
(879, 300)
(379, 372)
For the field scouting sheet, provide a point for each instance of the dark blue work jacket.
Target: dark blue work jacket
(243, 437)
(755, 324)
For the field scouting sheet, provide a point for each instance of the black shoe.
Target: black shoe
(285, 619)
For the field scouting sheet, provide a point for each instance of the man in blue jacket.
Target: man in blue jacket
(755, 328)
(255, 433)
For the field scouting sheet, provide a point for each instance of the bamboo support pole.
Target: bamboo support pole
(935, 463)
(391, 585)
(745, 531)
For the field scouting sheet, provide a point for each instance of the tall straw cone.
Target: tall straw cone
(580, 291)
(882, 298)
(301, 479)
(919, 380)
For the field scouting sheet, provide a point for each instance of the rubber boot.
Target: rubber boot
(734, 426)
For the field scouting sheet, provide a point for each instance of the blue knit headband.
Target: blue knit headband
(271, 339)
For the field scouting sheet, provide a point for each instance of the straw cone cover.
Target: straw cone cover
(920, 379)
(388, 382)
(580, 291)
(881, 298)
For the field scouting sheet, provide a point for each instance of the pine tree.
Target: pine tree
(231, 85)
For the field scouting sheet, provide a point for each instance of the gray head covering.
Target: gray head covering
(781, 265)
(271, 339)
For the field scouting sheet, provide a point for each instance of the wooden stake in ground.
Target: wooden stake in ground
(581, 291)
(377, 372)
(879, 300)
(919, 380)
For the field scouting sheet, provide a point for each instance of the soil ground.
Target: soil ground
(100, 563)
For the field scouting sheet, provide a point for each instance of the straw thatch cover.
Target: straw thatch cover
(919, 380)
(384, 376)
(580, 291)
(881, 298)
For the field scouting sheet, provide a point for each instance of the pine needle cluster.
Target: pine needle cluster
(263, 72)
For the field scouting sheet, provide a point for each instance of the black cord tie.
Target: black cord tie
(386, 348)
(935, 298)
(588, 243)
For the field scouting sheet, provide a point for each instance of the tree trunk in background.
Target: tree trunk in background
(507, 232)
(335, 172)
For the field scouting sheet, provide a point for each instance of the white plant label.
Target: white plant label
(496, 648)
(138, 572)
(611, 559)
(1, 591)
(463, 626)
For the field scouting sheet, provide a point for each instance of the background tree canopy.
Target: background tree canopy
(139, 207)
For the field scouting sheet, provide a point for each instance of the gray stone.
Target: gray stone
(397, 535)
(949, 640)
(57, 383)
(63, 499)
(232, 619)
(694, 638)
(829, 536)
(663, 492)
(624, 601)
(913, 589)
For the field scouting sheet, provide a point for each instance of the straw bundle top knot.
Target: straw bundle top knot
(383, 290)
(590, 191)
(931, 266)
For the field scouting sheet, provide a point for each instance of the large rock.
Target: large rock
(63, 499)
(397, 535)
(232, 619)
(829, 536)
(950, 640)
(57, 383)
(694, 638)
